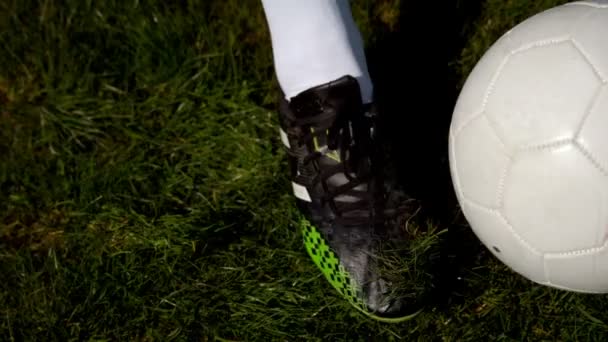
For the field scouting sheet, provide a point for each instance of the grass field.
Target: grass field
(144, 193)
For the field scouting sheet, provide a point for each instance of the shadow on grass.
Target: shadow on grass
(405, 67)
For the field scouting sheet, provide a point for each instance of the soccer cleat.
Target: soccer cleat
(336, 179)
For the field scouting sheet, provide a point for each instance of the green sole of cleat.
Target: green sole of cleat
(336, 274)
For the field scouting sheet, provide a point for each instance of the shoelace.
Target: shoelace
(353, 138)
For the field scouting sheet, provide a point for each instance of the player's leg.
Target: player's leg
(315, 42)
(328, 129)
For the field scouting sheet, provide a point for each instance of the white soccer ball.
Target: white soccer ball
(529, 148)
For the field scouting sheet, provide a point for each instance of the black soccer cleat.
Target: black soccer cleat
(336, 178)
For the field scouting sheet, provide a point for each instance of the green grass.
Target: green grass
(144, 193)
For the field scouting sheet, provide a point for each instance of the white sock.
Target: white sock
(315, 42)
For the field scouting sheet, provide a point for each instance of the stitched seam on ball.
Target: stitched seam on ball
(546, 269)
(492, 84)
(487, 93)
(501, 185)
(585, 251)
(541, 43)
(467, 122)
(548, 145)
(494, 129)
(499, 70)
(509, 226)
(454, 161)
(586, 4)
(592, 104)
(591, 158)
(479, 205)
(519, 238)
(585, 55)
